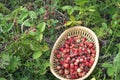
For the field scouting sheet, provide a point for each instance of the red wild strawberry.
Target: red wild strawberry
(66, 65)
(84, 39)
(66, 71)
(81, 44)
(67, 42)
(58, 56)
(66, 45)
(72, 65)
(71, 71)
(61, 72)
(87, 63)
(76, 67)
(58, 67)
(76, 63)
(61, 49)
(90, 45)
(91, 63)
(81, 59)
(72, 77)
(77, 60)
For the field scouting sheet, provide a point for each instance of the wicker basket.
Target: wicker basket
(89, 34)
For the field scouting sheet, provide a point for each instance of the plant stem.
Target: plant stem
(112, 39)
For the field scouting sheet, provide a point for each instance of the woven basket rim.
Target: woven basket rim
(96, 58)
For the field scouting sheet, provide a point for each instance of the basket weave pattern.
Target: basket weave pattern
(84, 32)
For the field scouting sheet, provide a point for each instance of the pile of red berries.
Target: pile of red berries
(75, 57)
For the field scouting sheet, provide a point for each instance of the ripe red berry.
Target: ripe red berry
(91, 63)
(58, 56)
(93, 51)
(77, 60)
(66, 65)
(87, 63)
(76, 67)
(71, 71)
(67, 42)
(75, 63)
(90, 45)
(72, 77)
(61, 49)
(84, 39)
(72, 45)
(66, 45)
(58, 67)
(81, 60)
(61, 72)
(81, 44)
(71, 65)
(66, 71)
(64, 51)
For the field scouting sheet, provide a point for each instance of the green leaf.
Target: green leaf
(117, 34)
(111, 71)
(118, 45)
(32, 14)
(69, 9)
(24, 23)
(91, 10)
(5, 60)
(32, 33)
(39, 37)
(31, 46)
(42, 10)
(14, 63)
(5, 57)
(81, 2)
(23, 16)
(116, 63)
(114, 24)
(93, 78)
(43, 71)
(72, 18)
(27, 23)
(76, 8)
(1, 15)
(37, 54)
(2, 78)
(41, 26)
(45, 48)
(116, 60)
(35, 46)
(110, 31)
(44, 66)
(104, 25)
(68, 23)
(114, 16)
(106, 65)
(66, 7)
(9, 28)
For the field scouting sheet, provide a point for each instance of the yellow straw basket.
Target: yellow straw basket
(84, 31)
